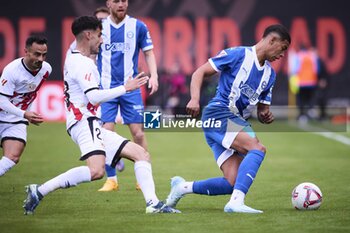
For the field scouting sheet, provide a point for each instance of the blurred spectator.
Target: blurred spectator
(101, 12)
(322, 89)
(177, 90)
(303, 71)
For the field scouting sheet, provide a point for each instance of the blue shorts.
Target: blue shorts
(221, 139)
(131, 108)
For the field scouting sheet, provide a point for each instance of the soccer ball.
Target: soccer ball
(306, 196)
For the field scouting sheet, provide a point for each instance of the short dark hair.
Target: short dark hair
(101, 9)
(39, 39)
(83, 23)
(280, 30)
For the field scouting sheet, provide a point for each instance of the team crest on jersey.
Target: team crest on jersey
(130, 34)
(31, 86)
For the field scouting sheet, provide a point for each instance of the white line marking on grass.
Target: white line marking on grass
(330, 135)
(336, 137)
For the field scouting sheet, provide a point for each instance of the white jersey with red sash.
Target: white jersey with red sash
(80, 77)
(21, 85)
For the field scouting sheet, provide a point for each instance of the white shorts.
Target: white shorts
(13, 131)
(92, 139)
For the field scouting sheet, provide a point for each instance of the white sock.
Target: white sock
(68, 179)
(5, 165)
(115, 178)
(237, 197)
(187, 187)
(144, 177)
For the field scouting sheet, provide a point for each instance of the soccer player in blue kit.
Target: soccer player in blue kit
(246, 80)
(97, 145)
(123, 38)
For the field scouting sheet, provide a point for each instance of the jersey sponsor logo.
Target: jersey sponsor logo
(118, 47)
(248, 91)
(25, 99)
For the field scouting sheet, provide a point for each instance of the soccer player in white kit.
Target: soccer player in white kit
(19, 84)
(124, 37)
(97, 145)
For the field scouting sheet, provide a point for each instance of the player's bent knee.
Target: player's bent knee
(231, 180)
(135, 152)
(139, 137)
(97, 174)
(137, 131)
(258, 146)
(145, 156)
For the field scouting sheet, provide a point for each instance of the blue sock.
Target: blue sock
(248, 169)
(213, 186)
(110, 171)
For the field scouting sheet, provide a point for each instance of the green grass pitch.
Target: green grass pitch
(292, 158)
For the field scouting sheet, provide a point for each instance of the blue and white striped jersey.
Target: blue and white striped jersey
(118, 57)
(243, 81)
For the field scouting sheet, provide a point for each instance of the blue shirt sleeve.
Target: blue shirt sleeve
(144, 37)
(266, 95)
(226, 58)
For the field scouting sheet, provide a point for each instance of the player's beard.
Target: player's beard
(119, 16)
(95, 50)
(37, 65)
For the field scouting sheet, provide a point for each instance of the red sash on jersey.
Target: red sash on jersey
(29, 97)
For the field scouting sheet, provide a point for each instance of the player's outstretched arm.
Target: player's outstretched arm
(140, 80)
(97, 96)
